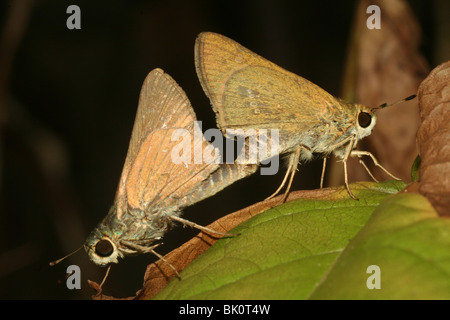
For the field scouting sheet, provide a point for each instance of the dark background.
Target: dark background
(69, 102)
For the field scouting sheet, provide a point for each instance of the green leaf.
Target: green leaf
(415, 169)
(410, 245)
(321, 249)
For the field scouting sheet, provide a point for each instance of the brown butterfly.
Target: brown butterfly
(249, 92)
(153, 188)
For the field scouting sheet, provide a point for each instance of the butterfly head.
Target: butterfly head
(366, 118)
(103, 248)
(365, 121)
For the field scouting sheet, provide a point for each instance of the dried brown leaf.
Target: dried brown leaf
(433, 138)
(385, 65)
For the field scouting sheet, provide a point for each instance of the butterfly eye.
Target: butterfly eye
(104, 248)
(364, 119)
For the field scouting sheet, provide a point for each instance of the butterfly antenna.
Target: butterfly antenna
(59, 260)
(385, 105)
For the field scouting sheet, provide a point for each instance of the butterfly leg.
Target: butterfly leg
(99, 287)
(367, 169)
(103, 281)
(359, 154)
(292, 167)
(202, 228)
(166, 262)
(282, 183)
(347, 154)
(293, 170)
(323, 172)
(144, 249)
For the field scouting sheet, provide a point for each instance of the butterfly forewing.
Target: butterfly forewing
(248, 91)
(150, 176)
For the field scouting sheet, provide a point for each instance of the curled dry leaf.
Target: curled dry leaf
(384, 66)
(433, 139)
